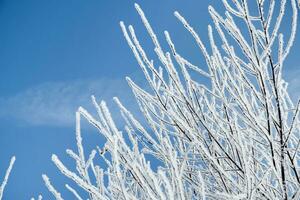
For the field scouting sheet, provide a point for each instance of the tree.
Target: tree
(236, 137)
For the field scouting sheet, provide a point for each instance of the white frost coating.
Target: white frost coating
(2, 187)
(50, 187)
(195, 35)
(234, 138)
(78, 137)
(74, 192)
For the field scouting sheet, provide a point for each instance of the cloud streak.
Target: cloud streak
(55, 103)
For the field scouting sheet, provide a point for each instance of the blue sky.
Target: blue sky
(54, 54)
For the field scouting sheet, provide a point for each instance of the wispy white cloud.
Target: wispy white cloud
(55, 103)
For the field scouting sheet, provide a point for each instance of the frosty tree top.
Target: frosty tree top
(234, 138)
(237, 137)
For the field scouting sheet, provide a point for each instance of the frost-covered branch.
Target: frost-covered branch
(50, 187)
(5, 180)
